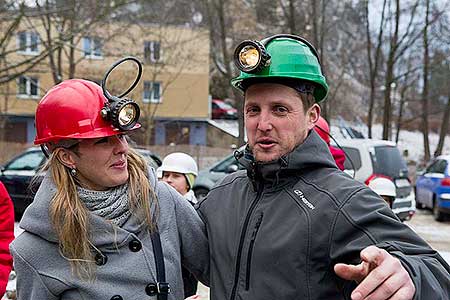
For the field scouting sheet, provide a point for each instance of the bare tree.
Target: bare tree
(223, 38)
(168, 51)
(179, 56)
(290, 15)
(409, 77)
(374, 63)
(425, 95)
(11, 65)
(390, 65)
(66, 24)
(442, 34)
(444, 127)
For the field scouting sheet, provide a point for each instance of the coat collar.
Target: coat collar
(36, 219)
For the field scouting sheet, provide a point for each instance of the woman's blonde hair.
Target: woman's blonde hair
(69, 215)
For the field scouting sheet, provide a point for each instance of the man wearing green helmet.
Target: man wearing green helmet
(292, 225)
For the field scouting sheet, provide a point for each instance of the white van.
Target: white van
(365, 158)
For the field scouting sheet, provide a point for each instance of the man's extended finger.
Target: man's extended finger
(385, 279)
(374, 255)
(352, 272)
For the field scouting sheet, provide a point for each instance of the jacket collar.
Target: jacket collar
(312, 153)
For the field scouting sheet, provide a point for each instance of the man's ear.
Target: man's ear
(66, 157)
(313, 115)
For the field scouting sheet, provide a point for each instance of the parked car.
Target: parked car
(152, 159)
(222, 110)
(433, 187)
(17, 175)
(208, 177)
(367, 158)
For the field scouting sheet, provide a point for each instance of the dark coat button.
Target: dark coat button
(135, 245)
(151, 289)
(100, 259)
(116, 297)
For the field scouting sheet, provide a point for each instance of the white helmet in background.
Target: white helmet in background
(383, 187)
(178, 162)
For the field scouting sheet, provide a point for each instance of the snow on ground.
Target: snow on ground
(446, 256)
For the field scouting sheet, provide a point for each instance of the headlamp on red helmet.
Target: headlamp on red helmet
(79, 109)
(122, 112)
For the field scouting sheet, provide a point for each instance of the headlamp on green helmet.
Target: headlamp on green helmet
(251, 56)
(281, 58)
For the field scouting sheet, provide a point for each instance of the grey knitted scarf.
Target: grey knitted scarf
(111, 204)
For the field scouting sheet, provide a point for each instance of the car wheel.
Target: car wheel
(17, 215)
(438, 215)
(200, 193)
(419, 205)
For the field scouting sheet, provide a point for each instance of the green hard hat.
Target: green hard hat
(289, 57)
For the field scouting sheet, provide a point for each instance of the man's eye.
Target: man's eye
(280, 110)
(251, 110)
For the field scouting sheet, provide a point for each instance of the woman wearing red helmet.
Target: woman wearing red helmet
(101, 226)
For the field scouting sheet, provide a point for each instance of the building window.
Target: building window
(152, 92)
(92, 47)
(152, 51)
(28, 42)
(28, 87)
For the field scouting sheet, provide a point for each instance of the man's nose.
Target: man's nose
(265, 121)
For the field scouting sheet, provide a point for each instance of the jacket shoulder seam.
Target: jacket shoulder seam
(349, 219)
(338, 209)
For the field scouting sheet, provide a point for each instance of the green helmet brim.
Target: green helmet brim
(290, 58)
(243, 82)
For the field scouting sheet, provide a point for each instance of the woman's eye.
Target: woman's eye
(102, 140)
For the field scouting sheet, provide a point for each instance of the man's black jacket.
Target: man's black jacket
(276, 230)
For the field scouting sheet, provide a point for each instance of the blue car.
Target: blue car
(433, 187)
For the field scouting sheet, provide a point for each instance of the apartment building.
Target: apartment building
(173, 92)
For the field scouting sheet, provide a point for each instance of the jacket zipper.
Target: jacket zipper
(250, 251)
(241, 241)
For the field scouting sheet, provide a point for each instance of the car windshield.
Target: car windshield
(225, 164)
(223, 105)
(353, 159)
(151, 158)
(388, 161)
(28, 161)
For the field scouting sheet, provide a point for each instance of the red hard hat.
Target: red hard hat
(71, 110)
(323, 129)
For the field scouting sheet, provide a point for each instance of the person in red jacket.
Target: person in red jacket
(6, 236)
(323, 130)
